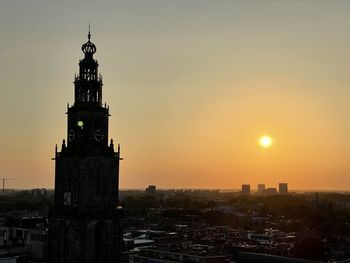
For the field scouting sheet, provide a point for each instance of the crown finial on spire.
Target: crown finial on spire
(89, 34)
(89, 48)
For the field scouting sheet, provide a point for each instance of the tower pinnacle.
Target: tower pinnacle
(89, 34)
(89, 48)
(88, 85)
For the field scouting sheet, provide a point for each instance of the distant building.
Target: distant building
(246, 189)
(261, 188)
(39, 192)
(151, 189)
(37, 242)
(283, 188)
(23, 243)
(271, 191)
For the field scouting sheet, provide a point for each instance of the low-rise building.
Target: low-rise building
(271, 191)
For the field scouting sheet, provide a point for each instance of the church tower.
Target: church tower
(84, 222)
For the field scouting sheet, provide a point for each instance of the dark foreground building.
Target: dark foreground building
(84, 223)
(247, 257)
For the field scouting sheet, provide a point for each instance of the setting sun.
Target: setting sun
(265, 141)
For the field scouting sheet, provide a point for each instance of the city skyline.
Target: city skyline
(192, 87)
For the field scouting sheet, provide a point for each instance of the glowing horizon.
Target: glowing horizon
(191, 86)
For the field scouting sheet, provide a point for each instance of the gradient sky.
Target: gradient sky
(191, 85)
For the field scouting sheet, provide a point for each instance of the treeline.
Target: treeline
(328, 213)
(24, 200)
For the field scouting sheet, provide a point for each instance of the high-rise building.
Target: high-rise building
(84, 222)
(246, 189)
(261, 188)
(283, 188)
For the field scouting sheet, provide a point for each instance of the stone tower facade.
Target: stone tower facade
(84, 222)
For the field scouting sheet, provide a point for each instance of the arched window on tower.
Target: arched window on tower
(88, 95)
(60, 243)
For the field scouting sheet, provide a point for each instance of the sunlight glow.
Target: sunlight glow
(265, 141)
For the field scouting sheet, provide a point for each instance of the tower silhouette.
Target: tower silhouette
(84, 221)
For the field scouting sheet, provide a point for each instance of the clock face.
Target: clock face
(71, 135)
(80, 124)
(98, 135)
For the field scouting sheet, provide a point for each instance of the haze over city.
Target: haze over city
(192, 87)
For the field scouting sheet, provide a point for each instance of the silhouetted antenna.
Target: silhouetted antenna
(3, 183)
(89, 34)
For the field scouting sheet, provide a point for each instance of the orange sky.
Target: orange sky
(191, 86)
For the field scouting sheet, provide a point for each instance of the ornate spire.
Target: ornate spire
(88, 85)
(89, 48)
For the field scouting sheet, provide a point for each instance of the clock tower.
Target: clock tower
(84, 222)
